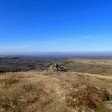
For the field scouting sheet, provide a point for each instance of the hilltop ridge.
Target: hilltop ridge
(59, 92)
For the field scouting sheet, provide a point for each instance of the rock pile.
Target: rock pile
(56, 67)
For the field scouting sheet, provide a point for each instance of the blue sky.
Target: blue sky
(55, 26)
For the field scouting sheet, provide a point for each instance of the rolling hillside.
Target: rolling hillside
(35, 91)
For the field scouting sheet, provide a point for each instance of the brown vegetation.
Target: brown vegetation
(8, 81)
(66, 92)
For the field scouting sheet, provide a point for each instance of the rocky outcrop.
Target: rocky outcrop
(56, 67)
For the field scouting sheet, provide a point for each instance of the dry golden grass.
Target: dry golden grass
(101, 61)
(8, 81)
(59, 92)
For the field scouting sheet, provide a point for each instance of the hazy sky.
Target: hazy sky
(55, 25)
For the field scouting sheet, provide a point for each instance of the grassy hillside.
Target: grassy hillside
(55, 92)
